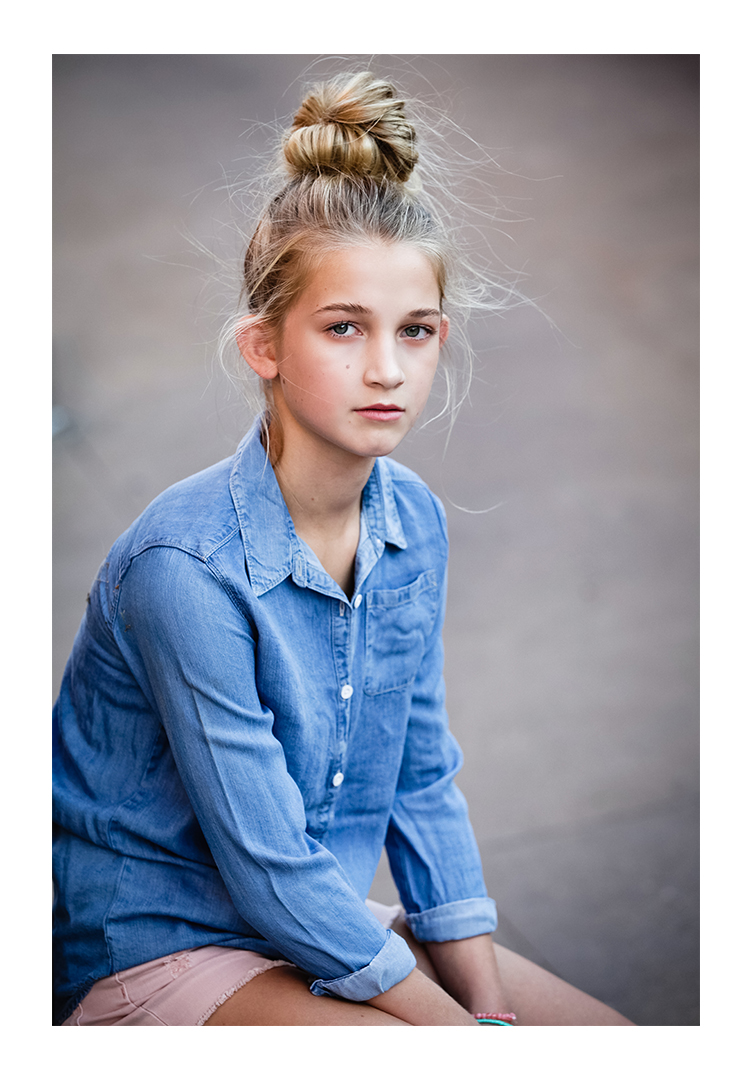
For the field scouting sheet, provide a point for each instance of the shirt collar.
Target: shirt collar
(273, 549)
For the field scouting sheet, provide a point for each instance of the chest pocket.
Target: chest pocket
(398, 624)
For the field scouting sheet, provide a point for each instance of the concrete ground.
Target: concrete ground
(572, 625)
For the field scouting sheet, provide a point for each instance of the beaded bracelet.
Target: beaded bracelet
(500, 1019)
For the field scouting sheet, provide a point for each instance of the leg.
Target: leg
(541, 999)
(281, 998)
(538, 998)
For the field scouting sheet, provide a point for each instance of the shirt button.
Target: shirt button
(337, 780)
(357, 600)
(346, 691)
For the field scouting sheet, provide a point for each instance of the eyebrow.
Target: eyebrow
(359, 309)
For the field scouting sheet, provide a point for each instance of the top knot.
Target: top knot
(353, 125)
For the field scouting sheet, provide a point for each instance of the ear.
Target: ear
(255, 343)
(444, 329)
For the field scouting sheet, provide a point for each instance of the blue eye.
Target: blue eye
(341, 328)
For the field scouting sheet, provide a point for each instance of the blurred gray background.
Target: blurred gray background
(571, 634)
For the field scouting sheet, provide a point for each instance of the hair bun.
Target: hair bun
(355, 125)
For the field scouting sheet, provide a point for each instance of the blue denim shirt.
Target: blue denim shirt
(236, 740)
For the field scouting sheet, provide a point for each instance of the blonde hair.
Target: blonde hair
(349, 155)
(350, 176)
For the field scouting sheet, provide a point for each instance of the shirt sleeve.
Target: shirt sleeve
(433, 854)
(193, 652)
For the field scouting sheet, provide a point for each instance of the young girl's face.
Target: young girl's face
(357, 352)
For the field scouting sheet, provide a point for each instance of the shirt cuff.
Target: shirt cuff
(391, 965)
(451, 922)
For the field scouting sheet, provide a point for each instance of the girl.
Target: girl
(254, 703)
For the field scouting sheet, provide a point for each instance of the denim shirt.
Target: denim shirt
(236, 740)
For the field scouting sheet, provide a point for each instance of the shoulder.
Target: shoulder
(173, 538)
(196, 515)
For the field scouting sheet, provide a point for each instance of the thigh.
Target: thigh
(281, 998)
(541, 999)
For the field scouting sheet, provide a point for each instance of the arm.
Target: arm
(468, 970)
(433, 853)
(419, 1001)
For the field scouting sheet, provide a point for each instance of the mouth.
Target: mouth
(381, 412)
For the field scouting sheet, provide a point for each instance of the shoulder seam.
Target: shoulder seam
(203, 560)
(170, 542)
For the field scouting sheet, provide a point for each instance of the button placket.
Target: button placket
(342, 627)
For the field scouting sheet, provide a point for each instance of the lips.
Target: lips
(381, 411)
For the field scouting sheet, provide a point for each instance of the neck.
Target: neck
(317, 499)
(319, 486)
(323, 494)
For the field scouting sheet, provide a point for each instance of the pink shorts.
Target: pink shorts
(181, 990)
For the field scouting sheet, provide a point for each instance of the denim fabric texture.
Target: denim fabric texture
(236, 740)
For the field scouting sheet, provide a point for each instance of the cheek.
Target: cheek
(311, 387)
(427, 378)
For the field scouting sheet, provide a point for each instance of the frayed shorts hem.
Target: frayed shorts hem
(242, 982)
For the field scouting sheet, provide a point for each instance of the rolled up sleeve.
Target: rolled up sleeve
(456, 920)
(377, 977)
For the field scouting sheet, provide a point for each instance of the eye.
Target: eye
(419, 333)
(341, 329)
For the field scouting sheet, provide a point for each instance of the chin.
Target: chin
(383, 447)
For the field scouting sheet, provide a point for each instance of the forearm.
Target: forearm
(419, 1001)
(468, 971)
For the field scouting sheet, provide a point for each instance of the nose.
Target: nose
(383, 364)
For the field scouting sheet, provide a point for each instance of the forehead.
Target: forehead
(390, 274)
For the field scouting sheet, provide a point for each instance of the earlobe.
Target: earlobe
(256, 346)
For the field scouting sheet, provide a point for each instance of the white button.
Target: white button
(357, 600)
(346, 691)
(337, 780)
